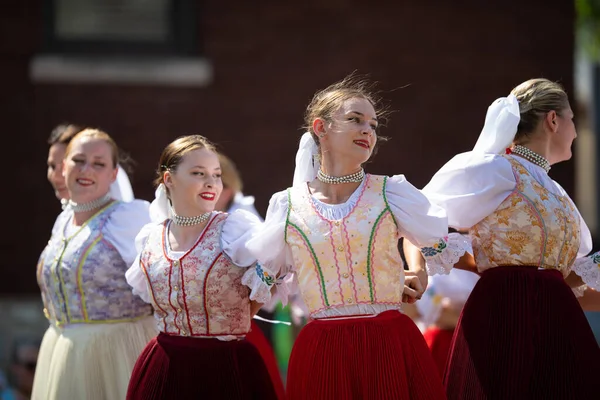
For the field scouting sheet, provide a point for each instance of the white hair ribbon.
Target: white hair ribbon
(307, 165)
(160, 208)
(500, 128)
(121, 189)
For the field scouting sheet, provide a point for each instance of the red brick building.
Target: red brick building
(439, 63)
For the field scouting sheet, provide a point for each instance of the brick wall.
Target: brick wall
(441, 64)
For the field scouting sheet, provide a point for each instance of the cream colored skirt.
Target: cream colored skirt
(90, 361)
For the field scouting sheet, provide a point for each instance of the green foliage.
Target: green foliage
(588, 26)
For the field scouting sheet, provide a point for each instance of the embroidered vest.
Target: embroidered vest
(82, 276)
(532, 226)
(200, 294)
(354, 260)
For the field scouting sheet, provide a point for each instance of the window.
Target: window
(116, 27)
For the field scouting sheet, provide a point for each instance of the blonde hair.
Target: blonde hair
(327, 101)
(90, 133)
(173, 154)
(537, 97)
(230, 175)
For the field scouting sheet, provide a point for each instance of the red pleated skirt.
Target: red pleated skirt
(258, 339)
(439, 342)
(383, 357)
(523, 335)
(175, 367)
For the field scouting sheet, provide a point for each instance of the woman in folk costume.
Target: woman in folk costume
(190, 269)
(59, 139)
(334, 235)
(98, 327)
(522, 333)
(230, 200)
(439, 308)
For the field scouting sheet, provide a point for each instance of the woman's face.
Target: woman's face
(89, 169)
(56, 153)
(195, 185)
(562, 136)
(351, 132)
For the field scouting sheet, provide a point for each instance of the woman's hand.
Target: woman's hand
(413, 289)
(415, 262)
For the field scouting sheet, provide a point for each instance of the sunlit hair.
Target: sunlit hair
(173, 154)
(90, 133)
(537, 97)
(326, 102)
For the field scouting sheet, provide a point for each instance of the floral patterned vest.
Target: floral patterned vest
(200, 294)
(82, 276)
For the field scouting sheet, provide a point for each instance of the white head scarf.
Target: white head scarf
(121, 188)
(500, 128)
(160, 209)
(307, 165)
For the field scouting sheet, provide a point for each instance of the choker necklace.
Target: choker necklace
(333, 180)
(189, 221)
(64, 203)
(531, 156)
(92, 205)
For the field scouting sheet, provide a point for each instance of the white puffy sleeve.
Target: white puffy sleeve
(135, 276)
(586, 266)
(425, 225)
(137, 280)
(123, 226)
(273, 256)
(470, 187)
(237, 230)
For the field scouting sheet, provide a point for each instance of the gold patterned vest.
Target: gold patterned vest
(532, 227)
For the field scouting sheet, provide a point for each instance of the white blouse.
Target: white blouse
(123, 224)
(237, 230)
(418, 220)
(472, 186)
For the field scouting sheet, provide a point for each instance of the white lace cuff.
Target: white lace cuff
(260, 281)
(588, 268)
(579, 290)
(441, 257)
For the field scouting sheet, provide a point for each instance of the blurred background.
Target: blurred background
(241, 73)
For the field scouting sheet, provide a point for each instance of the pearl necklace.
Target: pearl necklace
(334, 180)
(91, 205)
(532, 157)
(189, 221)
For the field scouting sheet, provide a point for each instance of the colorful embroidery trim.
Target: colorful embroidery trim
(264, 276)
(435, 250)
